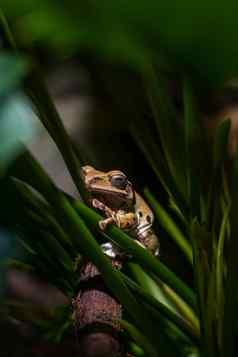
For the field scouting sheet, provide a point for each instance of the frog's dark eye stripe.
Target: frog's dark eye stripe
(119, 181)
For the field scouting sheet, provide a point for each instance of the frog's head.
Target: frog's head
(107, 186)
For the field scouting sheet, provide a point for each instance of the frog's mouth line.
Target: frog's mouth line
(115, 192)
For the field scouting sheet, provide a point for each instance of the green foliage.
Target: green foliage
(16, 124)
(162, 313)
(13, 69)
(170, 226)
(181, 33)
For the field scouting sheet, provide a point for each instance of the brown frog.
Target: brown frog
(113, 194)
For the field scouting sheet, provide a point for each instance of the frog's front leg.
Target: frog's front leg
(103, 223)
(102, 207)
(124, 220)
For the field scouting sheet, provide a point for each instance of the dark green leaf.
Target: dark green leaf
(139, 338)
(13, 69)
(221, 142)
(170, 226)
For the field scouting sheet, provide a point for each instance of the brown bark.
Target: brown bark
(96, 316)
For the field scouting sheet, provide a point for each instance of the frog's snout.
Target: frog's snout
(84, 171)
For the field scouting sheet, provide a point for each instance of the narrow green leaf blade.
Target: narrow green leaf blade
(170, 226)
(139, 338)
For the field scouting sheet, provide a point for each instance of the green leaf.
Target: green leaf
(202, 273)
(228, 347)
(139, 338)
(217, 190)
(170, 338)
(221, 142)
(154, 288)
(183, 33)
(135, 349)
(170, 226)
(13, 69)
(50, 118)
(19, 265)
(220, 273)
(166, 296)
(168, 127)
(26, 311)
(42, 212)
(60, 324)
(17, 126)
(56, 250)
(157, 164)
(220, 147)
(147, 142)
(195, 145)
(174, 206)
(162, 307)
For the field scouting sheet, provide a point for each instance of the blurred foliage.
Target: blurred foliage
(6, 248)
(17, 125)
(16, 128)
(162, 314)
(196, 37)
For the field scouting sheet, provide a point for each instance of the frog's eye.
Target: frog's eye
(119, 181)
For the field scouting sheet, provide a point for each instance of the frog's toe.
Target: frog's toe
(96, 203)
